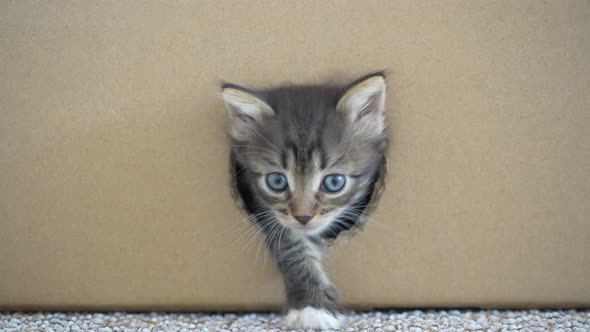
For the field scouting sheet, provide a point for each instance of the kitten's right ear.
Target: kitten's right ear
(363, 104)
(245, 110)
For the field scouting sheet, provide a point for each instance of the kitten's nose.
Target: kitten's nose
(303, 219)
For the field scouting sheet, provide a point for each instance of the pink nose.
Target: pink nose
(303, 219)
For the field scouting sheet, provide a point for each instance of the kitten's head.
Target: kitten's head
(308, 156)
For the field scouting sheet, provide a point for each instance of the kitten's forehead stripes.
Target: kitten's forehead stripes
(284, 163)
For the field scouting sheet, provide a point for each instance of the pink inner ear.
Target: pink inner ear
(372, 105)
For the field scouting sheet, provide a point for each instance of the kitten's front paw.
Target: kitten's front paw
(313, 318)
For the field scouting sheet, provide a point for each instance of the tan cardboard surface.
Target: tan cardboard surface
(113, 161)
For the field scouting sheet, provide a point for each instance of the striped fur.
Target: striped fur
(307, 133)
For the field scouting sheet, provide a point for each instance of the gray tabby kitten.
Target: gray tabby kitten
(305, 163)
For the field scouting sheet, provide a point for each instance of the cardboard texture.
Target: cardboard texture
(113, 159)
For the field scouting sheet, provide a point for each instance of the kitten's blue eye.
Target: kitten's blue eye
(276, 181)
(333, 183)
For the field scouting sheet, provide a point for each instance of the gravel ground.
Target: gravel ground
(413, 321)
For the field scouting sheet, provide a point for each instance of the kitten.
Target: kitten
(306, 161)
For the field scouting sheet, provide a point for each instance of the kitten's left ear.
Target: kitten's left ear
(363, 103)
(246, 110)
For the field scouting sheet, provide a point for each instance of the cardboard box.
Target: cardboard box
(113, 158)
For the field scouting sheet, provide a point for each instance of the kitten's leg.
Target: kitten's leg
(312, 300)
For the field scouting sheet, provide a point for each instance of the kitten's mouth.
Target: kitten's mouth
(315, 225)
(307, 228)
